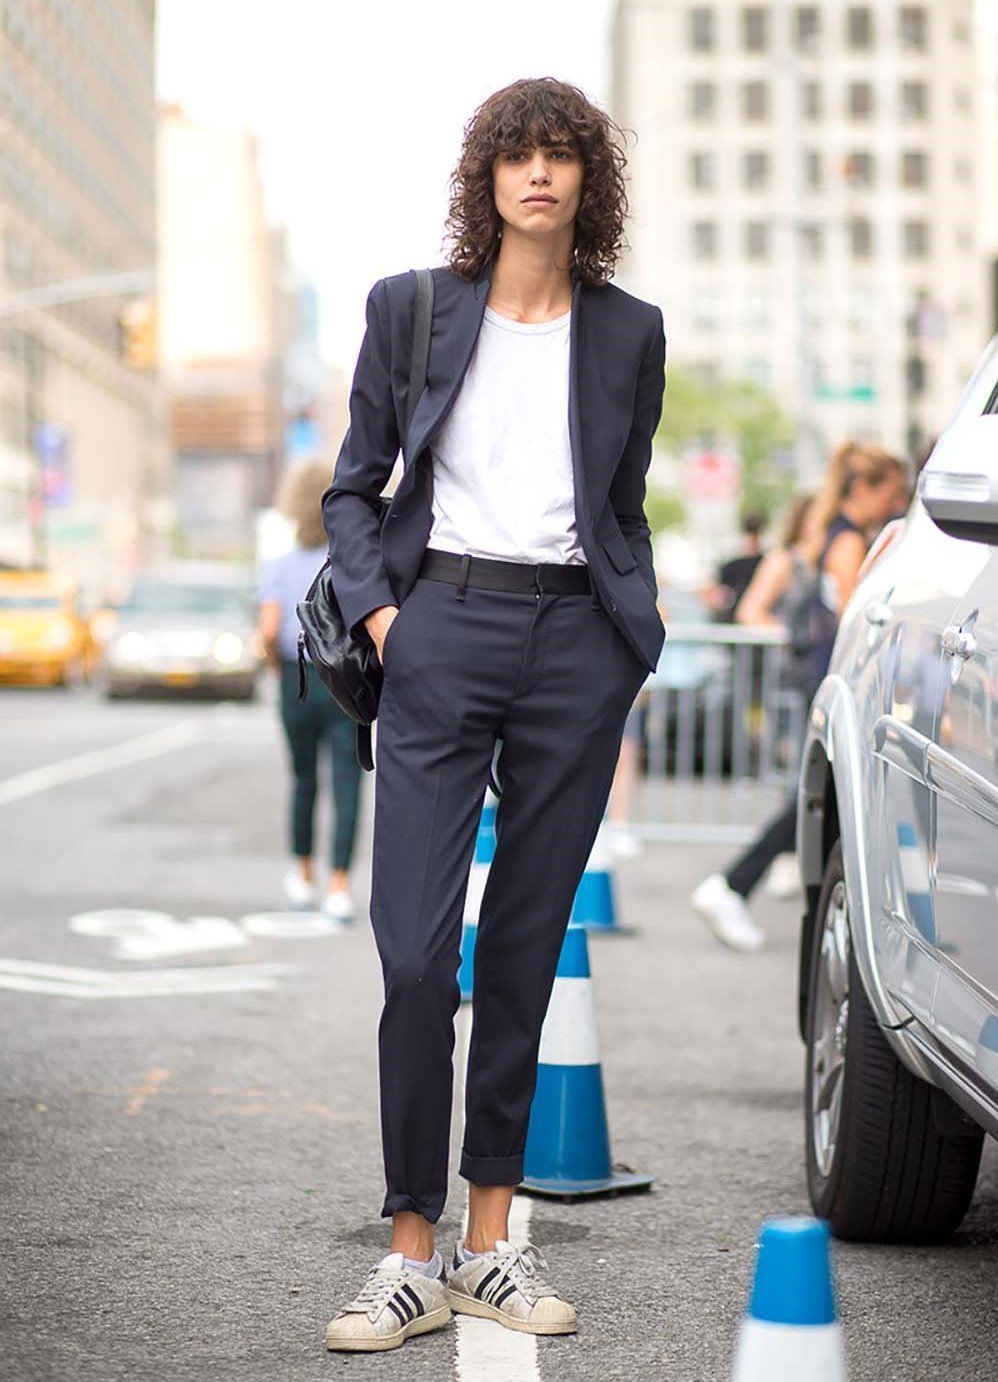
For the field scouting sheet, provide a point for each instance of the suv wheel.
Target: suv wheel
(889, 1157)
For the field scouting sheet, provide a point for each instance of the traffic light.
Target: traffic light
(137, 334)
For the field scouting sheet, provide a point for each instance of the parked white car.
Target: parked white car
(898, 842)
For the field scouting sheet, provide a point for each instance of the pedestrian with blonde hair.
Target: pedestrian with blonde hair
(315, 721)
(864, 487)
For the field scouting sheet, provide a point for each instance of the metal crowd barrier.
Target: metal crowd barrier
(722, 729)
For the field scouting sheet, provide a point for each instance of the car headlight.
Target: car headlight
(132, 647)
(227, 649)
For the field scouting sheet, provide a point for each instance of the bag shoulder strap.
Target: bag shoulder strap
(421, 327)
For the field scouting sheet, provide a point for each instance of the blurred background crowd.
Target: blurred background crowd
(194, 200)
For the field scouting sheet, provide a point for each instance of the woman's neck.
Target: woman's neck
(531, 279)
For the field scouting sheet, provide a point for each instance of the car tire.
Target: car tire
(890, 1158)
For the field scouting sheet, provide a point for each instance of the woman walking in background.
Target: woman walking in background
(316, 720)
(864, 487)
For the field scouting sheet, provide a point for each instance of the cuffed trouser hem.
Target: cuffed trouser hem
(492, 1170)
(430, 1209)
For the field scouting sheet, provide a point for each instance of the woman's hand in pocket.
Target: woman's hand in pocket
(377, 623)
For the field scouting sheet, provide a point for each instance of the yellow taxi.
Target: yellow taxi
(43, 637)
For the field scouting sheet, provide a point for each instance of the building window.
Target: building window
(962, 101)
(807, 27)
(755, 101)
(862, 373)
(962, 170)
(913, 27)
(859, 27)
(703, 100)
(705, 315)
(915, 239)
(813, 169)
(755, 316)
(755, 170)
(755, 29)
(704, 240)
(812, 240)
(810, 100)
(859, 168)
(964, 238)
(702, 29)
(859, 100)
(703, 172)
(914, 168)
(860, 232)
(914, 100)
(756, 240)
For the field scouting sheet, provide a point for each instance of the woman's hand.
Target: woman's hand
(377, 623)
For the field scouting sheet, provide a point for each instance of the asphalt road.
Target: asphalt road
(191, 1179)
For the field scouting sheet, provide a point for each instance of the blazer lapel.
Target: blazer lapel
(458, 310)
(575, 409)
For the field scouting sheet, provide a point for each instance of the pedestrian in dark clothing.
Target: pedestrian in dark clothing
(734, 576)
(865, 485)
(511, 595)
(316, 721)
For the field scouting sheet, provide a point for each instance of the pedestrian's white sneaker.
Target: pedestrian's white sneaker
(338, 905)
(506, 1285)
(297, 890)
(783, 879)
(726, 914)
(393, 1304)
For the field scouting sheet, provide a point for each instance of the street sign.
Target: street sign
(712, 474)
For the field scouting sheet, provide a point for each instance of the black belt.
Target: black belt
(482, 573)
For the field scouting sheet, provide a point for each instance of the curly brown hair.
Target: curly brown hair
(537, 113)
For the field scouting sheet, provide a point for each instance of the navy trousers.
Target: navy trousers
(554, 679)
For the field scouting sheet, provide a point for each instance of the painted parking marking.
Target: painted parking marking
(484, 1350)
(139, 933)
(65, 981)
(96, 761)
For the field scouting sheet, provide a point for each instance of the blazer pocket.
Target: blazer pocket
(617, 549)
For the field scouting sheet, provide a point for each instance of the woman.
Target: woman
(510, 594)
(863, 489)
(309, 723)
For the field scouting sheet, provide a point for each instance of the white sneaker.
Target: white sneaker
(506, 1285)
(393, 1304)
(726, 914)
(623, 842)
(338, 905)
(783, 879)
(298, 892)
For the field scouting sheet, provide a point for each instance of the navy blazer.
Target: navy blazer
(617, 377)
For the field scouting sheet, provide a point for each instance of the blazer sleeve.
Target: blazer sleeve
(351, 506)
(627, 491)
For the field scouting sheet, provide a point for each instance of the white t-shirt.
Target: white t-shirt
(502, 462)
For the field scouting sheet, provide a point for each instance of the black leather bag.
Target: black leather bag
(346, 661)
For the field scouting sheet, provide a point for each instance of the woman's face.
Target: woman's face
(538, 190)
(878, 503)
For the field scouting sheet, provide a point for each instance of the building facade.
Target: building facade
(85, 475)
(806, 204)
(225, 324)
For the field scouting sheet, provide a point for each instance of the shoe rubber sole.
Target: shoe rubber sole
(367, 1343)
(471, 1305)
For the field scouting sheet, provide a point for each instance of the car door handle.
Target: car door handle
(959, 643)
(878, 614)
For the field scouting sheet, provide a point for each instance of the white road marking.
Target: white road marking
(82, 765)
(486, 1352)
(291, 926)
(145, 935)
(64, 981)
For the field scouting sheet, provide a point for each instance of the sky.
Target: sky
(359, 106)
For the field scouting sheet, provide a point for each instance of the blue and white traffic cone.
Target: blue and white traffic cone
(485, 848)
(791, 1332)
(594, 905)
(568, 1144)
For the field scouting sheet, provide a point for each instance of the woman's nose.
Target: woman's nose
(539, 171)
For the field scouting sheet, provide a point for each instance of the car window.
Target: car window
(26, 600)
(175, 597)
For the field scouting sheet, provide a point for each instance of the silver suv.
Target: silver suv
(898, 841)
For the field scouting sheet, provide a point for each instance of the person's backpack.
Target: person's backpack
(811, 628)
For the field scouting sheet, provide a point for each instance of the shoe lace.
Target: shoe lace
(525, 1267)
(377, 1290)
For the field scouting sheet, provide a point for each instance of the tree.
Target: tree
(737, 411)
